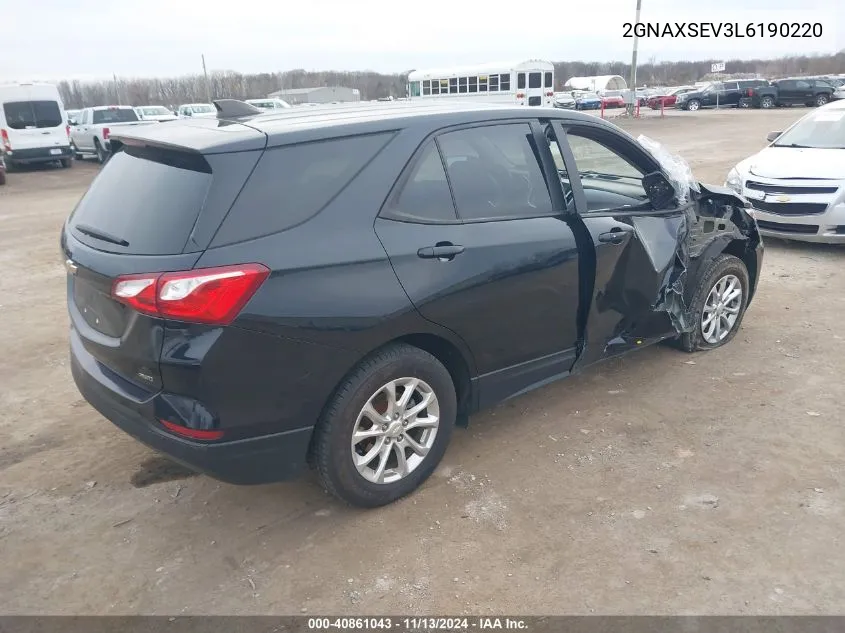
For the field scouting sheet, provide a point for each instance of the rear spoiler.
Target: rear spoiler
(233, 109)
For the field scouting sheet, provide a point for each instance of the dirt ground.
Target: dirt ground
(660, 483)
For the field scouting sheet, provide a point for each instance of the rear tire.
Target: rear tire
(821, 100)
(693, 105)
(767, 102)
(76, 153)
(728, 269)
(359, 399)
(101, 153)
(67, 162)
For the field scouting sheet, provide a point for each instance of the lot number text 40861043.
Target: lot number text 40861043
(721, 29)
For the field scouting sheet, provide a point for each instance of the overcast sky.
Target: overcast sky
(58, 39)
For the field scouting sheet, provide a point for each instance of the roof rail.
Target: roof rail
(232, 108)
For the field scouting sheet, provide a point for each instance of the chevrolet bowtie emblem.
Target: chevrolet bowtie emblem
(71, 267)
(783, 199)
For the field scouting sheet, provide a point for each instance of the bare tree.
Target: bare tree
(171, 91)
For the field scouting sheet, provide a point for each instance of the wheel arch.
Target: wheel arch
(740, 250)
(455, 361)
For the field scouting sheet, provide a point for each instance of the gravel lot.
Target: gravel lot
(660, 483)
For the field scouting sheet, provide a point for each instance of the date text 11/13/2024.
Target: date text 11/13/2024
(416, 624)
(694, 30)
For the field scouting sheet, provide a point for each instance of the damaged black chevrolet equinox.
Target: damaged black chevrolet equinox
(342, 286)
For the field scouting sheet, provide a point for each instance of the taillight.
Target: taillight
(105, 133)
(4, 136)
(550, 94)
(67, 130)
(206, 295)
(520, 95)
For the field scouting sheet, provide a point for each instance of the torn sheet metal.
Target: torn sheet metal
(643, 288)
(675, 167)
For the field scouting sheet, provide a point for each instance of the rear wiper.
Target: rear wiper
(100, 235)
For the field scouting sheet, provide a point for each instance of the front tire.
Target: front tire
(718, 303)
(767, 103)
(821, 100)
(386, 428)
(693, 105)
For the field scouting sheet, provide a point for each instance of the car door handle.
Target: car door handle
(612, 237)
(440, 251)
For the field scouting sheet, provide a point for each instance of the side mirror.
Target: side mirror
(659, 190)
(771, 137)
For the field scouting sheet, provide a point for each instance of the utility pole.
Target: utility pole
(207, 85)
(633, 85)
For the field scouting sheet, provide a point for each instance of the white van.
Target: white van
(33, 125)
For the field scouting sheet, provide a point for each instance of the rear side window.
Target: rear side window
(494, 172)
(425, 194)
(291, 184)
(143, 202)
(118, 115)
(32, 114)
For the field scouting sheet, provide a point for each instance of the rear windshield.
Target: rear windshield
(155, 111)
(143, 202)
(32, 114)
(117, 115)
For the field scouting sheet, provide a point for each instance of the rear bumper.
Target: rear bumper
(255, 460)
(37, 155)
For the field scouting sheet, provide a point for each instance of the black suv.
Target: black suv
(723, 94)
(344, 285)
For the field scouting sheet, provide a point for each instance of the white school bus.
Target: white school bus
(528, 83)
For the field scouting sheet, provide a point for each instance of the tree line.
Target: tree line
(372, 85)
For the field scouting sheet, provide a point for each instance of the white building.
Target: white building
(599, 83)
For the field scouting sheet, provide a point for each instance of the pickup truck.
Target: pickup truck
(91, 133)
(786, 92)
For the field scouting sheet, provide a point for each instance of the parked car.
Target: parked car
(796, 185)
(197, 111)
(613, 99)
(270, 104)
(786, 92)
(667, 100)
(33, 125)
(154, 113)
(2, 169)
(93, 134)
(723, 94)
(838, 94)
(205, 322)
(586, 100)
(564, 100)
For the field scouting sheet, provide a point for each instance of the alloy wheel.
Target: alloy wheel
(721, 310)
(395, 430)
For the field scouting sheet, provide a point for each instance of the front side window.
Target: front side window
(414, 89)
(610, 181)
(425, 194)
(494, 172)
